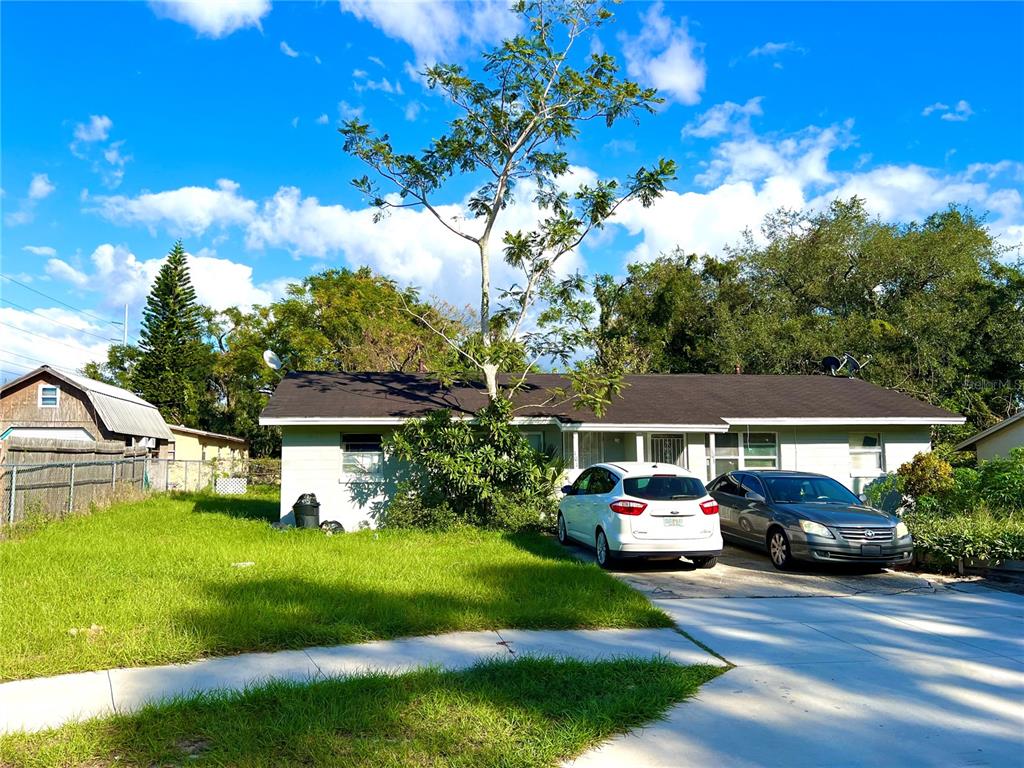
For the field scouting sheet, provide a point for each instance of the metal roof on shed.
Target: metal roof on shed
(120, 411)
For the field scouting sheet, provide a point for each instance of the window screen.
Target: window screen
(362, 457)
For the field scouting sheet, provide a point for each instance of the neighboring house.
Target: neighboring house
(332, 425)
(50, 404)
(199, 445)
(997, 441)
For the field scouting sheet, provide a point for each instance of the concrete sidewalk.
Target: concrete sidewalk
(871, 680)
(40, 703)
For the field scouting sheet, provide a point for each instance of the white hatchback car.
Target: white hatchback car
(639, 509)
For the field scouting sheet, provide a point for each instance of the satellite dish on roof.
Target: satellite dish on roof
(270, 358)
(832, 365)
(852, 362)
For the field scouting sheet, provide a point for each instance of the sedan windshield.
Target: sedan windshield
(664, 487)
(803, 490)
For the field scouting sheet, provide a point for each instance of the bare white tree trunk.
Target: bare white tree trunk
(489, 369)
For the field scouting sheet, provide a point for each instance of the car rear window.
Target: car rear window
(664, 487)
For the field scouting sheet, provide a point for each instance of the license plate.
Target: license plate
(676, 522)
(871, 550)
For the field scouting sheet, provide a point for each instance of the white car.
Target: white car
(640, 509)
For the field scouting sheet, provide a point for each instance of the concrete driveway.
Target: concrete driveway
(836, 669)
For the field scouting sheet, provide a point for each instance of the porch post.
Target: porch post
(640, 446)
(575, 450)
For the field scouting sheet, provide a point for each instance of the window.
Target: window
(602, 482)
(362, 457)
(760, 450)
(663, 487)
(49, 396)
(727, 485)
(751, 483)
(582, 484)
(808, 490)
(742, 450)
(865, 454)
(536, 440)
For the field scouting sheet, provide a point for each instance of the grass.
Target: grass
(165, 580)
(530, 712)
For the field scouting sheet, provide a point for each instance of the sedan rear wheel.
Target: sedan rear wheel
(704, 562)
(778, 549)
(605, 556)
(563, 533)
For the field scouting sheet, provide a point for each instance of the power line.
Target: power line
(47, 338)
(62, 303)
(58, 322)
(26, 357)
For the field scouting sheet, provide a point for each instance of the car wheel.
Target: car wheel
(563, 533)
(605, 556)
(778, 549)
(704, 562)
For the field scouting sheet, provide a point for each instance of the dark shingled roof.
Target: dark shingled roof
(684, 399)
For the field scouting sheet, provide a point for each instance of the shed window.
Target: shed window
(362, 457)
(49, 396)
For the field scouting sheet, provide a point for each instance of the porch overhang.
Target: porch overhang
(661, 427)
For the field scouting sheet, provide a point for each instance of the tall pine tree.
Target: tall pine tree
(173, 365)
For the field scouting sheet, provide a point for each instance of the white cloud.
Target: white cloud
(40, 187)
(43, 335)
(323, 119)
(959, 113)
(97, 129)
(774, 49)
(213, 18)
(17, 218)
(728, 117)
(439, 29)
(183, 211)
(122, 278)
(377, 60)
(412, 110)
(288, 51)
(295, 122)
(348, 112)
(40, 250)
(384, 85)
(664, 55)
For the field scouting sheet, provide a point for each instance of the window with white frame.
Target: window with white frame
(733, 451)
(362, 457)
(865, 454)
(49, 396)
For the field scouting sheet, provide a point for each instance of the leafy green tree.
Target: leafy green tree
(334, 320)
(117, 369)
(931, 306)
(173, 362)
(512, 128)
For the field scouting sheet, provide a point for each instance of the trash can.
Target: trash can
(307, 511)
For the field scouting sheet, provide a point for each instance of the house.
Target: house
(332, 425)
(199, 445)
(51, 404)
(997, 441)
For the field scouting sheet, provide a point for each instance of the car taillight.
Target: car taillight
(709, 507)
(627, 507)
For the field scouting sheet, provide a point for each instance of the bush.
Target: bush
(926, 475)
(977, 536)
(479, 472)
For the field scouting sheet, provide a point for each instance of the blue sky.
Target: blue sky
(126, 125)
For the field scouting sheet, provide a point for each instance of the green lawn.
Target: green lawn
(530, 712)
(157, 581)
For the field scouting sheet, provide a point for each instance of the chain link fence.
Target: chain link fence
(58, 489)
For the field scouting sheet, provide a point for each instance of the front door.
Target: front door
(669, 449)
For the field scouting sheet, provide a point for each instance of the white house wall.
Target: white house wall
(311, 460)
(311, 463)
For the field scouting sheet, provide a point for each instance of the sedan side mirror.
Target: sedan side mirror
(567, 490)
(753, 496)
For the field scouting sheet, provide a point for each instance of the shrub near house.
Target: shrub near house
(963, 514)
